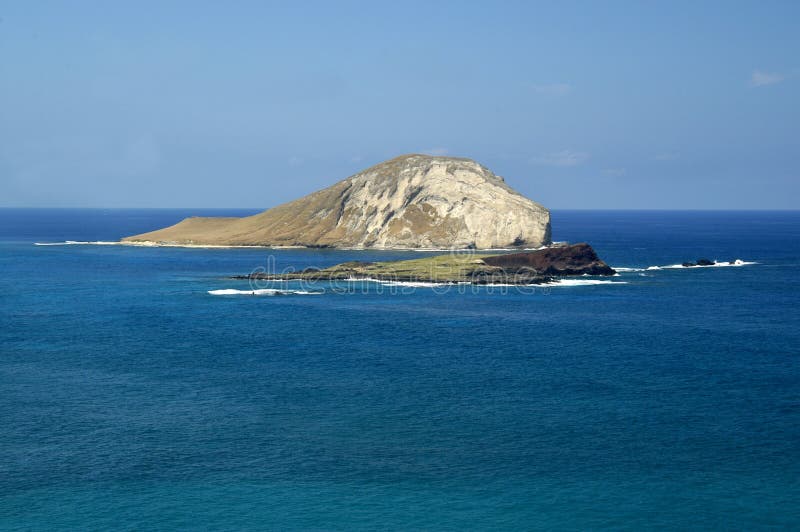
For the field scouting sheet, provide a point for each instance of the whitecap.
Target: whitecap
(580, 282)
(717, 264)
(260, 292)
(77, 243)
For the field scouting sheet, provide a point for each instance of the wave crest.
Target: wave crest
(77, 243)
(261, 292)
(581, 282)
(717, 264)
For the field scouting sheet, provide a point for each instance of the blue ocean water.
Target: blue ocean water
(132, 398)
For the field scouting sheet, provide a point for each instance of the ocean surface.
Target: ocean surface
(133, 398)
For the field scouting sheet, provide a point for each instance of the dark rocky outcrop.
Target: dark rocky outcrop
(577, 259)
(701, 262)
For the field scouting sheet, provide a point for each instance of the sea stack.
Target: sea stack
(412, 201)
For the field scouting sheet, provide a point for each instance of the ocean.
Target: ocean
(133, 398)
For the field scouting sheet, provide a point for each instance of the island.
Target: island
(531, 267)
(409, 202)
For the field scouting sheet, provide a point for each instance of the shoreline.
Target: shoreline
(523, 268)
(153, 244)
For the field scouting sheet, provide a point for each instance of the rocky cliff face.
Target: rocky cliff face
(577, 259)
(413, 201)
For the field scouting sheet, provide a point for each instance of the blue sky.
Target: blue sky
(250, 104)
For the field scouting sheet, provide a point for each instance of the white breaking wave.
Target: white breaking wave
(717, 264)
(428, 284)
(417, 284)
(580, 282)
(560, 282)
(735, 263)
(149, 244)
(261, 292)
(76, 243)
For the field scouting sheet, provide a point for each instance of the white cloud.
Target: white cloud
(436, 151)
(760, 78)
(561, 158)
(295, 161)
(614, 172)
(552, 88)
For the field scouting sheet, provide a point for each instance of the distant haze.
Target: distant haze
(685, 105)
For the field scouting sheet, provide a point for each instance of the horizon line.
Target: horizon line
(262, 209)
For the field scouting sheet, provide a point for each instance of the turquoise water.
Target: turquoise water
(132, 398)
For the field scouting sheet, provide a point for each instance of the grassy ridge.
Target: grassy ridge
(451, 268)
(538, 266)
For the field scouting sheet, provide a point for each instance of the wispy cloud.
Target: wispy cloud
(614, 172)
(759, 78)
(436, 151)
(551, 88)
(561, 158)
(295, 161)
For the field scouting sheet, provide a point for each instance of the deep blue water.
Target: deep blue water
(132, 398)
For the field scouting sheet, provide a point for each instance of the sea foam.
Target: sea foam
(736, 263)
(717, 264)
(77, 243)
(261, 292)
(581, 282)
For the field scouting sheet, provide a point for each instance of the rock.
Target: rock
(412, 201)
(533, 267)
(576, 259)
(700, 262)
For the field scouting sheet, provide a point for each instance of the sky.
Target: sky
(584, 105)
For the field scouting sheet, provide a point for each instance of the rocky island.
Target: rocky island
(410, 202)
(532, 267)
